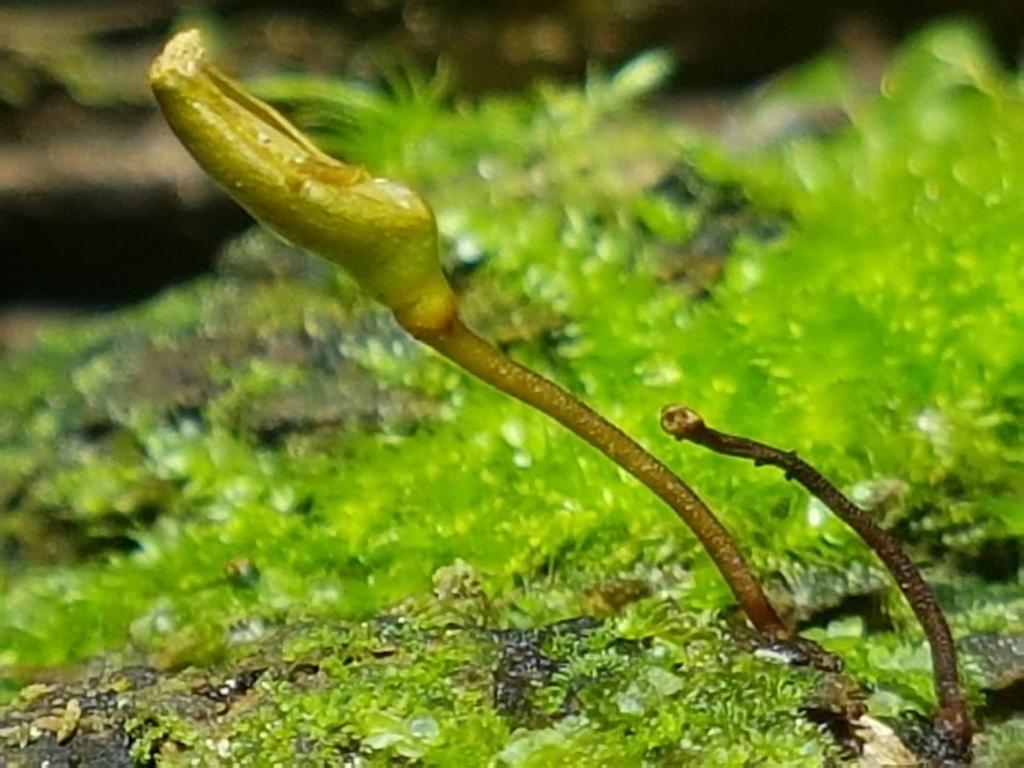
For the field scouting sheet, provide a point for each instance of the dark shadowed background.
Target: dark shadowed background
(99, 206)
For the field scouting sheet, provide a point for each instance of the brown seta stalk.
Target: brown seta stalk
(952, 720)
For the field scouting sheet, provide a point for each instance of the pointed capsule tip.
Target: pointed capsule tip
(180, 57)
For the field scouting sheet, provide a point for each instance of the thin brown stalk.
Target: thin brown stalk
(464, 347)
(952, 720)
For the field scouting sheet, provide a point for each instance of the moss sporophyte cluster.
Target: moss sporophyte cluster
(385, 236)
(328, 545)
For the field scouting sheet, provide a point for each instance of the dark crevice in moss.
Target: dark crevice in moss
(524, 667)
(721, 214)
(226, 692)
(870, 608)
(839, 727)
(1003, 704)
(995, 560)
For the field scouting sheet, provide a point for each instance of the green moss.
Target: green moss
(869, 314)
(401, 689)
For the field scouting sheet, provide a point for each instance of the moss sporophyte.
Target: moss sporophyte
(385, 236)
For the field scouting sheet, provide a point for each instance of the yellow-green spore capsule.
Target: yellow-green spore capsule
(379, 231)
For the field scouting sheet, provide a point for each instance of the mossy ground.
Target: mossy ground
(255, 470)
